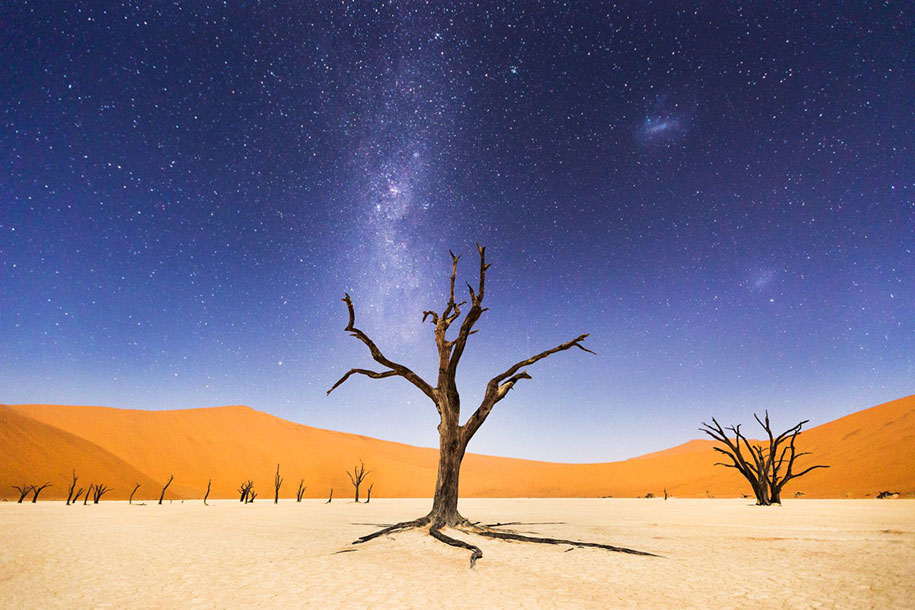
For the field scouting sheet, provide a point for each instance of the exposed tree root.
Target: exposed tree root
(469, 527)
(475, 552)
(397, 527)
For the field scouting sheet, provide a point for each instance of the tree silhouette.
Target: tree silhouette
(767, 467)
(245, 490)
(37, 490)
(444, 395)
(277, 481)
(23, 492)
(357, 476)
(136, 487)
(300, 491)
(171, 477)
(368, 493)
(207, 494)
(100, 490)
(71, 488)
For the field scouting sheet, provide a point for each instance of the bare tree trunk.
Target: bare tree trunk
(77, 495)
(444, 511)
(23, 491)
(162, 495)
(71, 488)
(301, 491)
(37, 490)
(277, 481)
(368, 494)
(331, 496)
(130, 501)
(207, 494)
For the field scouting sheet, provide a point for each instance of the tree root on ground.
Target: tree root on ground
(468, 527)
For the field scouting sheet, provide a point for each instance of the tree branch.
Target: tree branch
(377, 356)
(365, 372)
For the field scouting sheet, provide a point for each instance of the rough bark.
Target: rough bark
(171, 477)
(444, 395)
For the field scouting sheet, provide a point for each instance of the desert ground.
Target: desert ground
(714, 553)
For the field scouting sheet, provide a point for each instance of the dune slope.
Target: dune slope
(867, 451)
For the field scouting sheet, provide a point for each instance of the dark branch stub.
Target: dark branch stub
(453, 436)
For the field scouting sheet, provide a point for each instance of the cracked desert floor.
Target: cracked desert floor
(715, 553)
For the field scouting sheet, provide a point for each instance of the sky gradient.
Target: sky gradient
(721, 193)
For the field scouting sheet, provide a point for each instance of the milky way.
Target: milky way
(721, 194)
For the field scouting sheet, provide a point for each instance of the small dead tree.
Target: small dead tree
(766, 466)
(88, 493)
(300, 491)
(277, 481)
(136, 487)
(357, 476)
(162, 495)
(76, 496)
(100, 490)
(251, 495)
(245, 490)
(71, 488)
(23, 492)
(368, 495)
(331, 497)
(444, 395)
(207, 494)
(37, 490)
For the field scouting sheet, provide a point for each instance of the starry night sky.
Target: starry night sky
(721, 193)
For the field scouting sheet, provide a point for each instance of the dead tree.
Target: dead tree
(357, 476)
(277, 481)
(300, 491)
(245, 490)
(368, 495)
(331, 497)
(207, 494)
(37, 490)
(71, 488)
(88, 491)
(77, 495)
(162, 495)
(454, 436)
(251, 495)
(136, 487)
(100, 490)
(766, 466)
(23, 491)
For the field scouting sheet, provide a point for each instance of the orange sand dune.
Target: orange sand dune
(868, 451)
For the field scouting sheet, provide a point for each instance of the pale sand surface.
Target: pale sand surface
(716, 554)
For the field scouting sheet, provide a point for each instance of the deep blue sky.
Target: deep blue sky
(721, 193)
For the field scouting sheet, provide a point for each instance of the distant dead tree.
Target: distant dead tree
(331, 496)
(251, 495)
(71, 488)
(23, 491)
(453, 436)
(767, 466)
(207, 494)
(277, 481)
(368, 495)
(300, 491)
(245, 490)
(357, 476)
(162, 495)
(100, 490)
(37, 490)
(88, 492)
(77, 495)
(136, 487)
